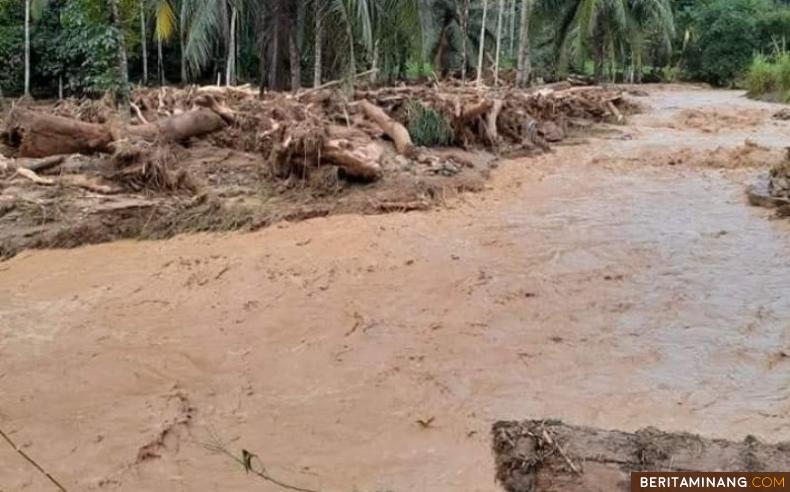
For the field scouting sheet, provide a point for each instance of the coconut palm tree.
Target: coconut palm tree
(524, 68)
(608, 27)
(164, 27)
(33, 10)
(481, 48)
(500, 9)
(453, 36)
(123, 72)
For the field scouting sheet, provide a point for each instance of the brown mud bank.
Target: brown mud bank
(216, 159)
(549, 456)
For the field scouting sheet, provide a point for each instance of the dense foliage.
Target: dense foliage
(283, 44)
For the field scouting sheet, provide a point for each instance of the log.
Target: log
(359, 162)
(41, 164)
(195, 123)
(475, 110)
(615, 112)
(549, 456)
(334, 83)
(394, 130)
(43, 135)
(33, 164)
(491, 121)
(32, 176)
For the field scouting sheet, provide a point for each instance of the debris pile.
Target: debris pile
(256, 158)
(295, 133)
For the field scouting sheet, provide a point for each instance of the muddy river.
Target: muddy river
(604, 284)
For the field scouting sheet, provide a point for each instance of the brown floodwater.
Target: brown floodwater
(592, 285)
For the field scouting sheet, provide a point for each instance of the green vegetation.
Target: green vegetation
(769, 77)
(428, 127)
(73, 45)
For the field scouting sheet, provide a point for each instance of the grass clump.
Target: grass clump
(769, 77)
(427, 126)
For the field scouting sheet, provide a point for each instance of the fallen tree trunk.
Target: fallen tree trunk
(359, 162)
(43, 135)
(394, 130)
(491, 121)
(475, 110)
(549, 456)
(195, 123)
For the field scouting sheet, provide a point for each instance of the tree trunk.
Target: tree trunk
(352, 69)
(598, 54)
(498, 41)
(144, 42)
(160, 66)
(317, 55)
(230, 69)
(512, 28)
(524, 55)
(375, 64)
(295, 61)
(397, 132)
(42, 135)
(274, 60)
(27, 47)
(301, 10)
(426, 19)
(123, 90)
(464, 38)
(482, 48)
(182, 37)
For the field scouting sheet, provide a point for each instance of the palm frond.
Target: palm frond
(164, 20)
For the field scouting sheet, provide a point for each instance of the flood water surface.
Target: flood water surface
(593, 285)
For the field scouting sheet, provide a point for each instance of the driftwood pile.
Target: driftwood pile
(549, 456)
(295, 133)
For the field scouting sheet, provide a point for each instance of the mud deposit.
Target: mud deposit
(216, 189)
(375, 352)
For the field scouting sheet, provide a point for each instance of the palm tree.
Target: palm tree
(464, 34)
(524, 55)
(33, 8)
(452, 36)
(500, 8)
(115, 20)
(481, 48)
(318, 31)
(164, 27)
(609, 26)
(143, 41)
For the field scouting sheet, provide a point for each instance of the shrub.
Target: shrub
(417, 70)
(427, 126)
(762, 77)
(768, 76)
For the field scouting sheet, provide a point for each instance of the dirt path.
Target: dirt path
(588, 285)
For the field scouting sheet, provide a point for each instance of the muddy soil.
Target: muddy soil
(597, 284)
